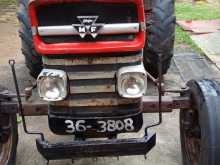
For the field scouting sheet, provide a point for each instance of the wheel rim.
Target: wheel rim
(191, 134)
(5, 151)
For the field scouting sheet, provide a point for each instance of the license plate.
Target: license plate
(68, 125)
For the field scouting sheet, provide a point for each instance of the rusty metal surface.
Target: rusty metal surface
(198, 27)
(92, 89)
(91, 75)
(92, 60)
(35, 109)
(95, 102)
(150, 103)
(41, 108)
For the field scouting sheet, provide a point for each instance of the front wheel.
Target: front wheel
(8, 134)
(160, 36)
(8, 148)
(200, 126)
(33, 59)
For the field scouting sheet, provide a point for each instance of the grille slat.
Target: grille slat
(96, 95)
(92, 68)
(92, 89)
(96, 102)
(85, 82)
(92, 86)
(93, 60)
(91, 75)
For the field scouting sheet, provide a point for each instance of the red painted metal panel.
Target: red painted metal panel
(86, 48)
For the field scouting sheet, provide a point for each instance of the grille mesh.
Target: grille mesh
(66, 14)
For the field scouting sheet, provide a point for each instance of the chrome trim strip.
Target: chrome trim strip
(121, 28)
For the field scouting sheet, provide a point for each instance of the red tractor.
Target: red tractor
(92, 60)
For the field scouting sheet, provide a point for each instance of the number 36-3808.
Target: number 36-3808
(104, 126)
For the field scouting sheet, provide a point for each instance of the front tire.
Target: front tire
(8, 149)
(8, 146)
(200, 126)
(32, 58)
(160, 36)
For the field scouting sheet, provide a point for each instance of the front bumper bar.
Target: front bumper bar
(99, 148)
(150, 105)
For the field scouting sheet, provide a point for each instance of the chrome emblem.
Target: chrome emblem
(88, 26)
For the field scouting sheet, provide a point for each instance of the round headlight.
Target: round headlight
(132, 82)
(52, 88)
(133, 85)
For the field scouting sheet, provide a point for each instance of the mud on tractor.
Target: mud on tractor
(92, 60)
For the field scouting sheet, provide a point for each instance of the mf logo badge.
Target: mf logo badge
(88, 26)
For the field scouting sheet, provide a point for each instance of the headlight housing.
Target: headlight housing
(52, 85)
(132, 81)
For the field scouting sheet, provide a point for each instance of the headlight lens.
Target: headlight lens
(132, 81)
(52, 85)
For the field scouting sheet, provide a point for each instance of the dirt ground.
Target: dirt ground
(166, 152)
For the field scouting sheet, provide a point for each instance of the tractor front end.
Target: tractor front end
(92, 60)
(93, 76)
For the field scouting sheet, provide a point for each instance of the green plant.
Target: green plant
(7, 2)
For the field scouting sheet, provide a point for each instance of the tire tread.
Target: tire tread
(32, 58)
(161, 36)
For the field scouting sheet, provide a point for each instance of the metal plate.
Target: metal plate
(63, 125)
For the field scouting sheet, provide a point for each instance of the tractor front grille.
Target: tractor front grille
(92, 80)
(62, 14)
(66, 13)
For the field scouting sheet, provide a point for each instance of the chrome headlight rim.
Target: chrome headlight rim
(131, 71)
(54, 75)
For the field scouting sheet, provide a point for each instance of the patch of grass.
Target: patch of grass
(187, 11)
(200, 11)
(7, 2)
(183, 38)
